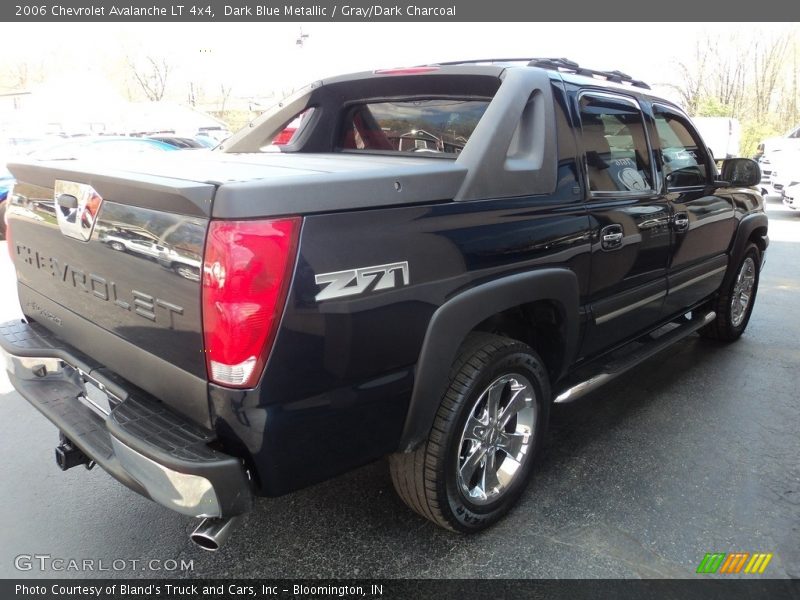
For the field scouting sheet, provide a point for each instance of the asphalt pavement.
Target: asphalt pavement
(695, 451)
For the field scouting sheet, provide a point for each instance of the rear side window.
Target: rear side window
(615, 145)
(424, 127)
(682, 153)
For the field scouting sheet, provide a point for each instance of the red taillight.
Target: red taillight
(246, 274)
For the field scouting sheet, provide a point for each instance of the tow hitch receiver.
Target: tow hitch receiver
(68, 455)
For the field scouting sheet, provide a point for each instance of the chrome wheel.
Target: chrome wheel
(743, 291)
(497, 438)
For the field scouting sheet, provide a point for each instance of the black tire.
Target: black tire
(428, 479)
(731, 323)
(118, 246)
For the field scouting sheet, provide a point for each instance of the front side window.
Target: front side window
(682, 153)
(615, 145)
(433, 126)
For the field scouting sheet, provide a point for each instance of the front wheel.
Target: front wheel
(734, 305)
(480, 451)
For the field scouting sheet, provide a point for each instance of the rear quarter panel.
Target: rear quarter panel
(337, 385)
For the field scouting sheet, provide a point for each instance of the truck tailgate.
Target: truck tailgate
(113, 269)
(122, 284)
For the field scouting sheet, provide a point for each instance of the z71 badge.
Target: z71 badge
(356, 281)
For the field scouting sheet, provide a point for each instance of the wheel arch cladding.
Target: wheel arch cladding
(752, 229)
(456, 318)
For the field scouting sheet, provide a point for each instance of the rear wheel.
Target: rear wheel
(734, 305)
(480, 451)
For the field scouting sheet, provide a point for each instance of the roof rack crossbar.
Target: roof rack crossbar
(557, 64)
(573, 67)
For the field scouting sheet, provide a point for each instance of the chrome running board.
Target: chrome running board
(574, 390)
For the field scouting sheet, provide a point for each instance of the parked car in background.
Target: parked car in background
(10, 147)
(721, 134)
(17, 145)
(141, 243)
(789, 141)
(105, 147)
(778, 170)
(785, 177)
(181, 142)
(217, 134)
(791, 195)
(131, 243)
(100, 147)
(6, 179)
(187, 267)
(206, 141)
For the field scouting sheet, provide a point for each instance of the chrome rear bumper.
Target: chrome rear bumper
(138, 440)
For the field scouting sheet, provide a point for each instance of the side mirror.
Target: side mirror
(741, 172)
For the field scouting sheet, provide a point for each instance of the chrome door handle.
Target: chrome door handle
(611, 237)
(680, 222)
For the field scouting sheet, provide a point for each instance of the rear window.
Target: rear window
(614, 141)
(435, 126)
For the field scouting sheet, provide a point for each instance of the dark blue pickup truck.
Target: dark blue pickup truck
(413, 263)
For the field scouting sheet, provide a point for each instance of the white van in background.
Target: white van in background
(721, 135)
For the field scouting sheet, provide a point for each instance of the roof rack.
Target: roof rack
(573, 67)
(558, 64)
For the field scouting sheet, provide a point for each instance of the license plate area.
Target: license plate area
(96, 398)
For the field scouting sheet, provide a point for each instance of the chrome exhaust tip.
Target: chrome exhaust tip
(211, 534)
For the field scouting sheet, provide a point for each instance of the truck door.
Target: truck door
(702, 217)
(629, 221)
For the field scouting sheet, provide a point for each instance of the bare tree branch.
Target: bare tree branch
(152, 77)
(225, 94)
